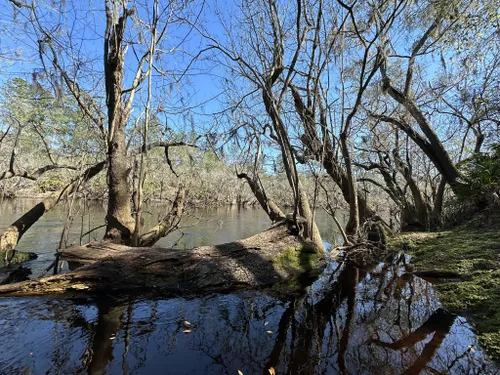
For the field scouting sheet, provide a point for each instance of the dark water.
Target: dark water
(377, 320)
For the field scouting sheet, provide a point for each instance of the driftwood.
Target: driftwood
(261, 260)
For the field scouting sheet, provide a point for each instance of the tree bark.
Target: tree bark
(433, 148)
(311, 230)
(352, 228)
(168, 224)
(421, 209)
(120, 223)
(261, 260)
(323, 151)
(271, 209)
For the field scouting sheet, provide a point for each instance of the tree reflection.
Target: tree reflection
(373, 320)
(100, 353)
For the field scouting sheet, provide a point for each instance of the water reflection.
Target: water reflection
(352, 320)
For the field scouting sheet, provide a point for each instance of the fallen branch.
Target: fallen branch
(169, 223)
(10, 238)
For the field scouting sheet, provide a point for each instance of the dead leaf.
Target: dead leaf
(240, 372)
(187, 331)
(187, 323)
(271, 371)
(266, 323)
(269, 332)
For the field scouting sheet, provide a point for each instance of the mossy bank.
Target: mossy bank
(474, 256)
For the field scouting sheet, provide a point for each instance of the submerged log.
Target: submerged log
(261, 260)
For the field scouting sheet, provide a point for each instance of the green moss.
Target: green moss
(301, 259)
(15, 257)
(303, 264)
(492, 342)
(475, 256)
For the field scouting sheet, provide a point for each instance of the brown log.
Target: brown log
(261, 260)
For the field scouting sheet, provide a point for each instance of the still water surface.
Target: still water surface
(379, 320)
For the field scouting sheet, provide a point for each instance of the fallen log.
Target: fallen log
(261, 260)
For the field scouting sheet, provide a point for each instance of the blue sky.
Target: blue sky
(84, 22)
(201, 91)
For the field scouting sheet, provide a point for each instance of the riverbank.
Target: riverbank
(464, 263)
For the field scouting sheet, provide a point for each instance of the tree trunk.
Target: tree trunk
(416, 215)
(322, 150)
(352, 227)
(261, 260)
(120, 223)
(168, 224)
(311, 231)
(434, 148)
(272, 210)
(436, 218)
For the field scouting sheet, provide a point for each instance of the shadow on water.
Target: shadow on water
(351, 320)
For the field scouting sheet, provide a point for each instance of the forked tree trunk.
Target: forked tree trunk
(311, 230)
(377, 230)
(168, 224)
(322, 150)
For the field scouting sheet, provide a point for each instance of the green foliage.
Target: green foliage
(482, 171)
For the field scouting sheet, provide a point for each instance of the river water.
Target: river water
(376, 320)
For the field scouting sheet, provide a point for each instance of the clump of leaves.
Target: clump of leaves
(482, 170)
